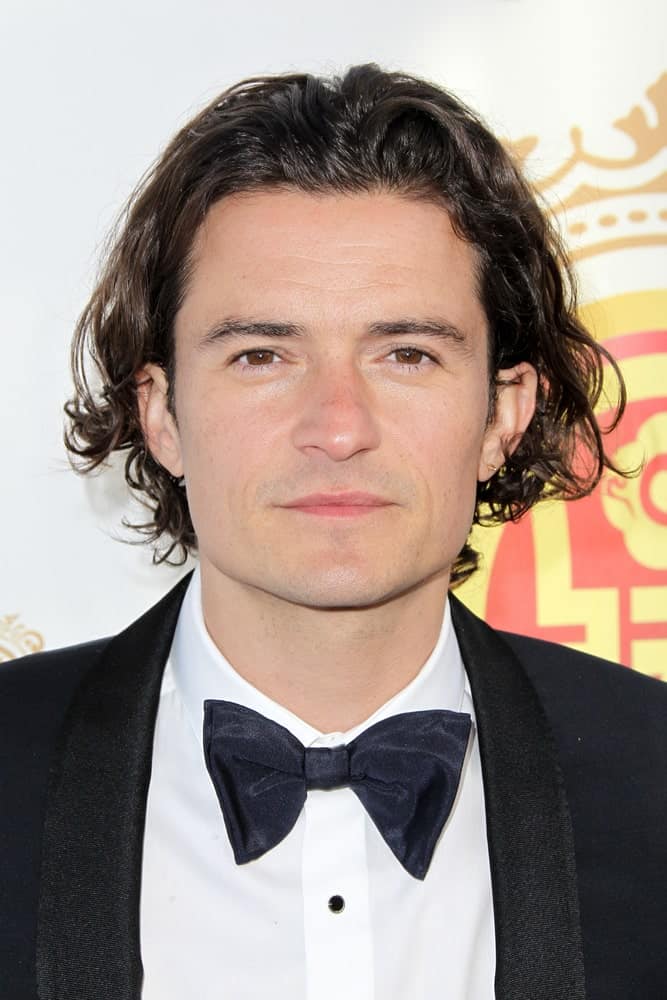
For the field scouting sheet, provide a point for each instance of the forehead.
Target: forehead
(336, 256)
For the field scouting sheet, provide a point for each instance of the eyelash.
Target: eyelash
(393, 350)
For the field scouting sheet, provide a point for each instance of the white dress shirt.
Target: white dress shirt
(212, 929)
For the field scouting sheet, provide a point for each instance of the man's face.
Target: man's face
(329, 345)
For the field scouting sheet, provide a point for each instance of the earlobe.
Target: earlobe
(516, 397)
(157, 422)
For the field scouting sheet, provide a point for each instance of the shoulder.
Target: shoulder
(610, 727)
(606, 718)
(588, 687)
(47, 677)
(40, 687)
(35, 692)
(568, 682)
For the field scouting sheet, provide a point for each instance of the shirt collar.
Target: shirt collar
(201, 671)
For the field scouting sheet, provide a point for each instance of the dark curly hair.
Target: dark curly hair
(364, 131)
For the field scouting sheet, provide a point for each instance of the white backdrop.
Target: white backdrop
(92, 91)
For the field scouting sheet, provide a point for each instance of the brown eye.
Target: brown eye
(409, 355)
(258, 358)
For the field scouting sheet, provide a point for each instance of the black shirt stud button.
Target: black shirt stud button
(336, 904)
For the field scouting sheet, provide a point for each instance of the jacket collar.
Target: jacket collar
(88, 920)
(536, 905)
(88, 928)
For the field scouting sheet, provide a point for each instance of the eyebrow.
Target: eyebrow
(233, 329)
(418, 328)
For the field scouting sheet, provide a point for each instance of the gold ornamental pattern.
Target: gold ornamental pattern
(16, 639)
(607, 203)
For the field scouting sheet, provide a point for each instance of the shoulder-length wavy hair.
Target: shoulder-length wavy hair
(365, 131)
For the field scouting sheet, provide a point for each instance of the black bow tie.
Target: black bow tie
(405, 770)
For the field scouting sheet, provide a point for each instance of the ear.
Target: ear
(157, 422)
(516, 395)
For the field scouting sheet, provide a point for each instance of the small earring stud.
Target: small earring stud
(492, 468)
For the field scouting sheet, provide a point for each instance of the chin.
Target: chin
(342, 590)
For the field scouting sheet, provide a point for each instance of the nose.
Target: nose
(337, 417)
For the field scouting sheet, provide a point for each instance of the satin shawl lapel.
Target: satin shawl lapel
(88, 925)
(536, 908)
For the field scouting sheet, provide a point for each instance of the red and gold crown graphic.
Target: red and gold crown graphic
(593, 574)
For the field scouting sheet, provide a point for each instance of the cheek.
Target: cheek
(445, 462)
(224, 453)
(445, 447)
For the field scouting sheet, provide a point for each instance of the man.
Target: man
(334, 330)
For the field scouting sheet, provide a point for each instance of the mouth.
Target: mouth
(351, 504)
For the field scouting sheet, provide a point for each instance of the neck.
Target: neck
(331, 667)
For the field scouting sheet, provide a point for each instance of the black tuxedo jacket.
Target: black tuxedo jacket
(574, 761)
